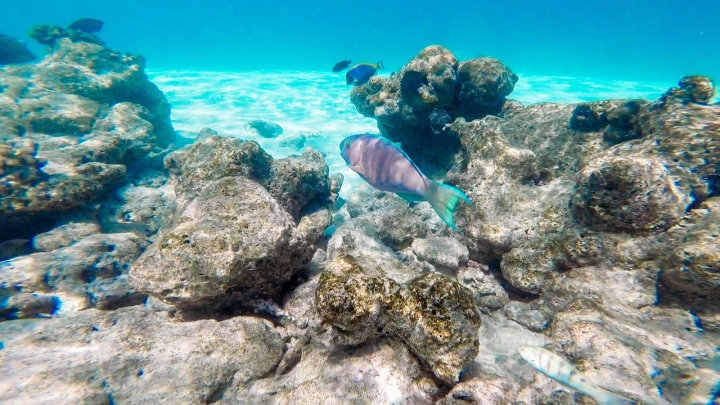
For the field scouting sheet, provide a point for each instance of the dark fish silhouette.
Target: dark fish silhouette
(362, 72)
(340, 66)
(386, 167)
(13, 51)
(89, 25)
(412, 80)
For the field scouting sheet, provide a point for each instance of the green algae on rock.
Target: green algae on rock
(435, 316)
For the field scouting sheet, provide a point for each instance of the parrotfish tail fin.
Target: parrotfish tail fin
(443, 199)
(380, 65)
(605, 397)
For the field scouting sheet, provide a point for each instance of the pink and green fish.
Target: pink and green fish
(563, 372)
(386, 167)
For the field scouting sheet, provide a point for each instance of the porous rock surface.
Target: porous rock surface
(433, 314)
(91, 272)
(417, 116)
(69, 126)
(52, 34)
(604, 234)
(132, 355)
(234, 233)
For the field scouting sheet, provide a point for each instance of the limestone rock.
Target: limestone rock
(486, 289)
(482, 86)
(442, 251)
(232, 237)
(64, 235)
(297, 182)
(523, 314)
(89, 273)
(396, 222)
(627, 194)
(379, 372)
(132, 355)
(417, 116)
(70, 126)
(433, 315)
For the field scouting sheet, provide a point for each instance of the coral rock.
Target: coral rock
(232, 237)
(433, 315)
(133, 354)
(442, 251)
(482, 86)
(627, 194)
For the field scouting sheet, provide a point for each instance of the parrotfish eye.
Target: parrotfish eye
(346, 144)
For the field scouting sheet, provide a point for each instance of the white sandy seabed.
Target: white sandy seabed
(317, 105)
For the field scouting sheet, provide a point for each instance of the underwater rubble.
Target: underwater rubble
(138, 272)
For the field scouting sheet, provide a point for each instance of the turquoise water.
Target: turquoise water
(315, 106)
(660, 40)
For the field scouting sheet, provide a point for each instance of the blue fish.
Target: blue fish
(386, 167)
(329, 231)
(362, 72)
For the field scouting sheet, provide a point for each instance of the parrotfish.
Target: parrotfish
(385, 166)
(340, 66)
(362, 72)
(89, 25)
(563, 372)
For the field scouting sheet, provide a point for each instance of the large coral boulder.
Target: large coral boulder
(232, 237)
(482, 86)
(415, 105)
(367, 290)
(245, 223)
(69, 127)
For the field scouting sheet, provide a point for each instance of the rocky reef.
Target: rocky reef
(51, 34)
(415, 112)
(70, 126)
(235, 231)
(136, 272)
(592, 221)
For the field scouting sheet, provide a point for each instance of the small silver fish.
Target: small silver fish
(386, 167)
(563, 372)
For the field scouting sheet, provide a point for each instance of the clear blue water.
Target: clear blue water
(653, 40)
